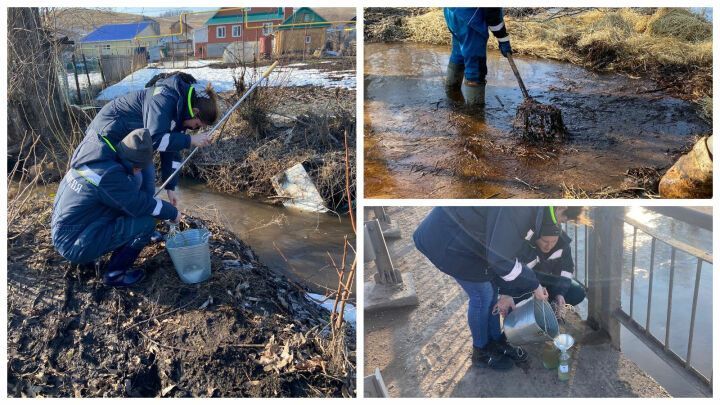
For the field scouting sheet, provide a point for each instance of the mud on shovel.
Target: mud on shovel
(536, 122)
(217, 124)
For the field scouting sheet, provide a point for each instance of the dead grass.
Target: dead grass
(671, 46)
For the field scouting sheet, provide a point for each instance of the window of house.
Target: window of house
(308, 39)
(307, 17)
(267, 28)
(236, 31)
(106, 47)
(220, 32)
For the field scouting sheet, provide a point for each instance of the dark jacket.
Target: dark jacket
(97, 190)
(160, 109)
(557, 262)
(481, 19)
(480, 243)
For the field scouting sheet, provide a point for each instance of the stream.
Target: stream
(421, 142)
(292, 242)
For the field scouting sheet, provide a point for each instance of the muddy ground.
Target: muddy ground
(425, 351)
(246, 332)
(423, 142)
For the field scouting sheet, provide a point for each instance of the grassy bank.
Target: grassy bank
(671, 46)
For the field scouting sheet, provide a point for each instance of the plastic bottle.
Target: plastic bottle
(550, 356)
(564, 367)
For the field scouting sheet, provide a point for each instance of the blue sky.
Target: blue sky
(155, 11)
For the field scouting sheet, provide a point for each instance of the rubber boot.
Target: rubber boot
(487, 358)
(474, 93)
(118, 272)
(455, 75)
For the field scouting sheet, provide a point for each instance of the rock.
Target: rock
(46, 171)
(691, 176)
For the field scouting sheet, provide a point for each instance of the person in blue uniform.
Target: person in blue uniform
(168, 107)
(469, 28)
(549, 255)
(100, 206)
(476, 245)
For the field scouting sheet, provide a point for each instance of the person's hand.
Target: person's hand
(540, 293)
(504, 304)
(172, 197)
(200, 140)
(505, 48)
(560, 301)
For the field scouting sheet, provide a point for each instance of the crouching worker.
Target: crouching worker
(469, 28)
(549, 255)
(475, 245)
(100, 206)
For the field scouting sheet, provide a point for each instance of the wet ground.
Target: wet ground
(421, 142)
(292, 242)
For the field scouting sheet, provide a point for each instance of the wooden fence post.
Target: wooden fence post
(77, 82)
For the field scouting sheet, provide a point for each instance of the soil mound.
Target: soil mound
(244, 332)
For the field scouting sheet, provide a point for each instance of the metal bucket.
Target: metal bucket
(190, 253)
(531, 321)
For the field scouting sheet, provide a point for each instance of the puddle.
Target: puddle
(423, 143)
(304, 239)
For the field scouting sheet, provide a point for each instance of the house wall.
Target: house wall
(246, 34)
(293, 41)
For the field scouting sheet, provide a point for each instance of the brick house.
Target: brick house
(241, 24)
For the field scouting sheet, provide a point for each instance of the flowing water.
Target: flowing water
(682, 295)
(421, 142)
(295, 243)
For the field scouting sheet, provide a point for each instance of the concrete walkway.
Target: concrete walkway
(425, 351)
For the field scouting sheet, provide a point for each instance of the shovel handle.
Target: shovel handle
(517, 76)
(270, 69)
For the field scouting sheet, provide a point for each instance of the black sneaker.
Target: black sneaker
(489, 359)
(517, 354)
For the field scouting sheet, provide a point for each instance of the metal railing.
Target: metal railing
(582, 236)
(695, 218)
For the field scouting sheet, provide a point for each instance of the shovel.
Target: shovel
(536, 122)
(217, 124)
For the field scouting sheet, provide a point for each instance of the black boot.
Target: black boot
(517, 354)
(489, 359)
(118, 272)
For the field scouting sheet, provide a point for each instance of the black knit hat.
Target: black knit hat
(549, 227)
(136, 148)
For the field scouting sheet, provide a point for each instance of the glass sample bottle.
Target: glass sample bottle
(564, 366)
(550, 356)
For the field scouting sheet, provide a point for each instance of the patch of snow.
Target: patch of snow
(297, 64)
(95, 80)
(323, 301)
(222, 79)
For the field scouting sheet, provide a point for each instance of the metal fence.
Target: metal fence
(83, 77)
(584, 240)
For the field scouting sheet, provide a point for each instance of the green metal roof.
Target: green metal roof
(238, 19)
(316, 21)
